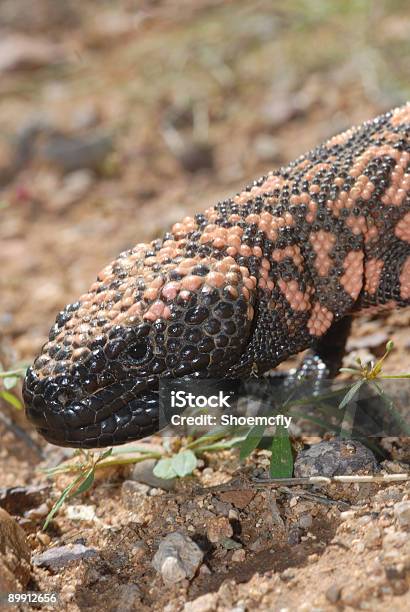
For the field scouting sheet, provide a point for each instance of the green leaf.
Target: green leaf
(222, 445)
(215, 434)
(86, 484)
(143, 450)
(164, 469)
(104, 455)
(281, 462)
(184, 463)
(351, 393)
(11, 399)
(9, 382)
(12, 373)
(251, 441)
(79, 485)
(64, 495)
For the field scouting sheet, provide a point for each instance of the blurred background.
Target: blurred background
(117, 118)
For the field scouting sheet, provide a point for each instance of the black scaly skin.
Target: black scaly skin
(220, 296)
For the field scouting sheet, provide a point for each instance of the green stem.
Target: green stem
(393, 376)
(13, 374)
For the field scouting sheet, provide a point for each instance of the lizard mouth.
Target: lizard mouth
(115, 414)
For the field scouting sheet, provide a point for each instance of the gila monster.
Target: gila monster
(234, 290)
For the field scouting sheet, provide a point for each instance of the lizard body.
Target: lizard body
(236, 289)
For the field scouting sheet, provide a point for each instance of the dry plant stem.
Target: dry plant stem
(328, 480)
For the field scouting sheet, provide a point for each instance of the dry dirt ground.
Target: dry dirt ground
(116, 120)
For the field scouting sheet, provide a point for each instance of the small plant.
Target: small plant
(371, 374)
(8, 381)
(281, 461)
(171, 463)
(178, 460)
(373, 370)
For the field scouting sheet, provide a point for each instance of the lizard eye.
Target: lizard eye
(137, 352)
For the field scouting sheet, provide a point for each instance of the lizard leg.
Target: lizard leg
(327, 355)
(323, 361)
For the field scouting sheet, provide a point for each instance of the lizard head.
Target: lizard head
(153, 313)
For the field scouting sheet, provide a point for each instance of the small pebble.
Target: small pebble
(81, 512)
(219, 529)
(333, 593)
(143, 473)
(43, 538)
(58, 557)
(39, 512)
(402, 513)
(238, 556)
(177, 558)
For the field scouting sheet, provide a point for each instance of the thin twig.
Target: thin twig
(321, 499)
(328, 480)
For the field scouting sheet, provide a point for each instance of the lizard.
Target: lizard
(235, 290)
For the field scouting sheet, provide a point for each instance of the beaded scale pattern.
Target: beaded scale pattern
(234, 290)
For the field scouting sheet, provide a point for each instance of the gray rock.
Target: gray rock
(129, 597)
(333, 593)
(59, 557)
(70, 153)
(177, 558)
(257, 545)
(221, 508)
(132, 493)
(305, 521)
(402, 513)
(143, 472)
(335, 457)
